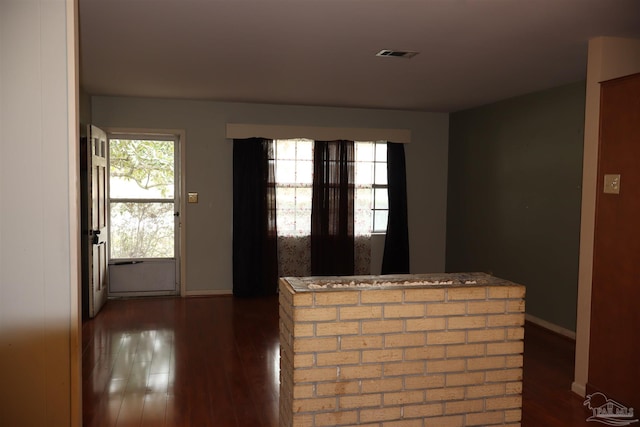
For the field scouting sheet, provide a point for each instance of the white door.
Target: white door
(97, 219)
(144, 214)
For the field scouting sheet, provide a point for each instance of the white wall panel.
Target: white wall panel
(35, 262)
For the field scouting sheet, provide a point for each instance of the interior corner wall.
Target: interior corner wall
(35, 260)
(609, 58)
(209, 170)
(515, 170)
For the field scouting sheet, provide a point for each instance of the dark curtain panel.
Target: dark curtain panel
(255, 259)
(332, 240)
(396, 247)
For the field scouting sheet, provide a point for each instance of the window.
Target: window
(372, 202)
(294, 179)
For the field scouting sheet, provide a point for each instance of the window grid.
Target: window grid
(142, 197)
(373, 156)
(294, 181)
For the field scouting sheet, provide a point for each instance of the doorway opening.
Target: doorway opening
(144, 214)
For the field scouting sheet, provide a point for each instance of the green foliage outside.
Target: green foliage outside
(142, 169)
(148, 163)
(144, 230)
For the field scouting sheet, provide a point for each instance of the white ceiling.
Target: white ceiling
(322, 52)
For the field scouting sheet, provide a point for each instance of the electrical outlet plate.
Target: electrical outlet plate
(612, 183)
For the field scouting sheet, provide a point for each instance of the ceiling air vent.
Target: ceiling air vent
(397, 53)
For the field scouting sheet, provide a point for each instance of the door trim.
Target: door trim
(75, 234)
(182, 153)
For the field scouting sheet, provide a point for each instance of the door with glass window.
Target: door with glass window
(144, 214)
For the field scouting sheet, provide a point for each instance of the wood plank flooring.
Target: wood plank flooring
(214, 361)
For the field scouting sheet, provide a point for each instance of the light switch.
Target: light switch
(193, 198)
(612, 183)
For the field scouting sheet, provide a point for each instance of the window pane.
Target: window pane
(363, 214)
(286, 221)
(305, 172)
(285, 198)
(364, 199)
(381, 173)
(303, 198)
(142, 230)
(364, 173)
(286, 149)
(141, 169)
(304, 149)
(286, 171)
(293, 188)
(380, 220)
(365, 152)
(362, 221)
(381, 152)
(381, 198)
(303, 222)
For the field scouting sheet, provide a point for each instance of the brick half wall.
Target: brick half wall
(403, 357)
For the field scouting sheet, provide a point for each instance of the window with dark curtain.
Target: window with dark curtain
(255, 258)
(395, 259)
(332, 211)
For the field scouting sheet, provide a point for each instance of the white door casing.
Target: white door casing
(143, 274)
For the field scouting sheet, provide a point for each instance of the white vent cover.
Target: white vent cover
(397, 53)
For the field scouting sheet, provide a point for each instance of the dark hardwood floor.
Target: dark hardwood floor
(214, 362)
(547, 399)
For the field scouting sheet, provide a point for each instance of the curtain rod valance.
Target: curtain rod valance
(241, 131)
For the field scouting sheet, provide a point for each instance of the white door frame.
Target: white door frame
(182, 142)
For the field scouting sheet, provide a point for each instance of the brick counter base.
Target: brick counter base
(410, 357)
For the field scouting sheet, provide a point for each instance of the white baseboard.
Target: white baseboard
(207, 293)
(579, 389)
(551, 326)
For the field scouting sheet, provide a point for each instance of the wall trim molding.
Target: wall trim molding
(579, 389)
(207, 293)
(550, 326)
(242, 131)
(75, 251)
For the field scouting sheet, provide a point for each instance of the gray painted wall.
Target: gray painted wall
(209, 170)
(515, 170)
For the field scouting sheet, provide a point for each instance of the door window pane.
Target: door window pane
(141, 194)
(142, 230)
(141, 169)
